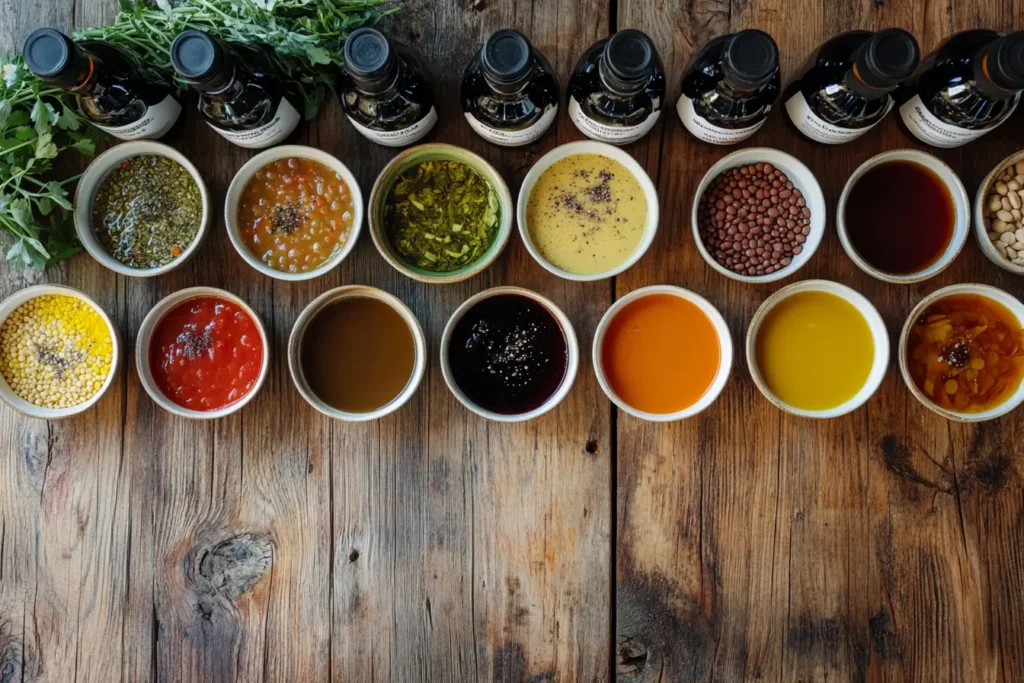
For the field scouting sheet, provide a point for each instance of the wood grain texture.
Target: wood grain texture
(277, 545)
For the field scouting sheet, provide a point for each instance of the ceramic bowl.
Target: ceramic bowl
(245, 174)
(295, 351)
(1011, 302)
(145, 337)
(572, 346)
(94, 176)
(802, 179)
(606, 150)
(9, 305)
(878, 334)
(961, 205)
(414, 156)
(724, 342)
(981, 221)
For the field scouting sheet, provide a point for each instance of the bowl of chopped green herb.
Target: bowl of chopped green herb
(141, 208)
(439, 213)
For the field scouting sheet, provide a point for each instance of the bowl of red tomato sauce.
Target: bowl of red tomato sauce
(202, 353)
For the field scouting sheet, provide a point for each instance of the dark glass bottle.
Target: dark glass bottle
(509, 90)
(967, 87)
(113, 92)
(617, 89)
(240, 96)
(730, 86)
(384, 90)
(845, 86)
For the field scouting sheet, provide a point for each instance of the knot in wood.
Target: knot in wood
(630, 657)
(235, 565)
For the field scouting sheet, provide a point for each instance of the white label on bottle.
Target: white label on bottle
(398, 138)
(157, 120)
(927, 127)
(513, 138)
(616, 135)
(703, 129)
(280, 127)
(819, 130)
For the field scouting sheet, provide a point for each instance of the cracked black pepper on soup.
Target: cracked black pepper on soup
(147, 211)
(587, 214)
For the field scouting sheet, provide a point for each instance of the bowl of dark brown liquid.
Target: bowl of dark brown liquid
(903, 216)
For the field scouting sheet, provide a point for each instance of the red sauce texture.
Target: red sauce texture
(206, 353)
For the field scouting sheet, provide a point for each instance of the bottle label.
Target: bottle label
(398, 138)
(616, 135)
(157, 120)
(703, 129)
(281, 126)
(927, 127)
(513, 138)
(819, 130)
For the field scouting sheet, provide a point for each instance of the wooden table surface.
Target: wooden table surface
(743, 544)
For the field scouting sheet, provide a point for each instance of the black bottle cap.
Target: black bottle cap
(198, 58)
(369, 59)
(887, 58)
(1005, 63)
(506, 56)
(51, 55)
(629, 59)
(751, 59)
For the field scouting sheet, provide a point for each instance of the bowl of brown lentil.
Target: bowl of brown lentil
(59, 351)
(141, 208)
(758, 215)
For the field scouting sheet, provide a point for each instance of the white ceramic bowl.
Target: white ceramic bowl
(1008, 300)
(572, 364)
(145, 336)
(724, 342)
(245, 174)
(802, 179)
(981, 222)
(90, 182)
(588, 147)
(961, 206)
(295, 351)
(878, 334)
(15, 300)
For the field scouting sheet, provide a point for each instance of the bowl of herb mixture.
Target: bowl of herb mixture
(141, 208)
(439, 213)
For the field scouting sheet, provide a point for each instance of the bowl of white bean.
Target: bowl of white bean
(999, 214)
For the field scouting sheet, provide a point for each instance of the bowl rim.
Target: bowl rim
(1001, 296)
(7, 394)
(603, 149)
(571, 343)
(98, 169)
(725, 344)
(405, 159)
(879, 336)
(980, 230)
(961, 203)
(813, 195)
(245, 173)
(354, 291)
(145, 335)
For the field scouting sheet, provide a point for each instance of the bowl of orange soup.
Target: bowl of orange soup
(662, 353)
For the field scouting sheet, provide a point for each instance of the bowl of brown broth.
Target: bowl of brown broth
(356, 353)
(903, 216)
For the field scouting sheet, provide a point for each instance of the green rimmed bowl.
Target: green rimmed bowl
(438, 152)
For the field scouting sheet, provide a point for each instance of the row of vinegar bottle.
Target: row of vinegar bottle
(510, 95)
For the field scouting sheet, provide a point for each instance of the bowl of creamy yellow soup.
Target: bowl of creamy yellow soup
(587, 211)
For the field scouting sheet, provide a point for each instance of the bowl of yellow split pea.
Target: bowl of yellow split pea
(59, 351)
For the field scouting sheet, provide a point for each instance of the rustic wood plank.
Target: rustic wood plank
(752, 545)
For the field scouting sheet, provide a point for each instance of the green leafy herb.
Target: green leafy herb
(37, 122)
(441, 215)
(299, 36)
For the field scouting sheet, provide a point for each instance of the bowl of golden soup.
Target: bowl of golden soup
(587, 211)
